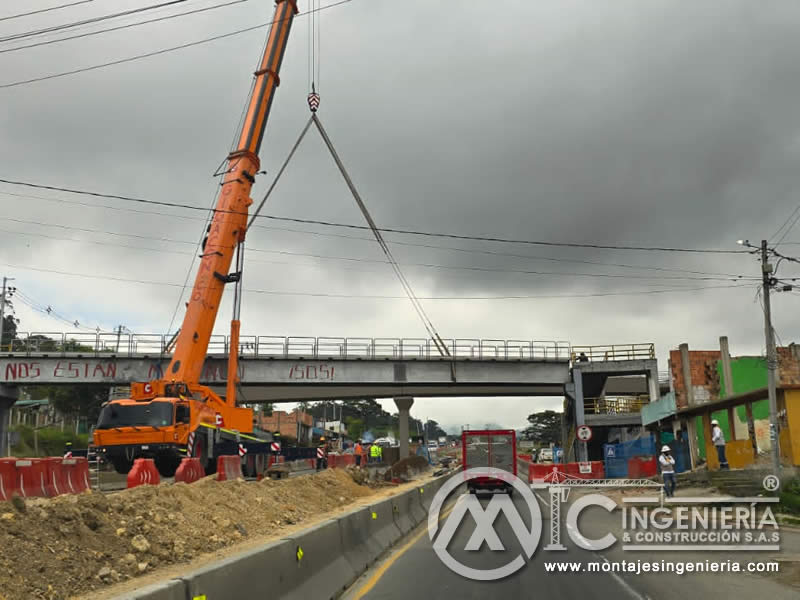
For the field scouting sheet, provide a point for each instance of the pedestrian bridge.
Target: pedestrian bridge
(274, 369)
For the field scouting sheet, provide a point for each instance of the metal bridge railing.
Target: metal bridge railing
(619, 405)
(254, 346)
(613, 352)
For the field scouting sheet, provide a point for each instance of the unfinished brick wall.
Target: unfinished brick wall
(789, 365)
(704, 376)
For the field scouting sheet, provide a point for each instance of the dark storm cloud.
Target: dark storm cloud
(659, 123)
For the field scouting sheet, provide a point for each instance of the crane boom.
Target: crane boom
(228, 226)
(174, 417)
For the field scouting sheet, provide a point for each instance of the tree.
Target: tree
(545, 427)
(9, 330)
(79, 400)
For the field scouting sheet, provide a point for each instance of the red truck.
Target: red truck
(496, 449)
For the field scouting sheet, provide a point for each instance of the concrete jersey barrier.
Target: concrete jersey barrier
(319, 562)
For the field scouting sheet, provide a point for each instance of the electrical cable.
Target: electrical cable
(388, 229)
(54, 28)
(380, 297)
(44, 10)
(372, 239)
(356, 259)
(121, 27)
(155, 52)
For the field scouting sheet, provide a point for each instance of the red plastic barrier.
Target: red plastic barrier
(341, 460)
(528, 457)
(229, 468)
(76, 471)
(642, 467)
(55, 480)
(31, 477)
(550, 473)
(189, 471)
(144, 472)
(8, 478)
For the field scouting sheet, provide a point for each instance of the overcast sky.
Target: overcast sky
(656, 123)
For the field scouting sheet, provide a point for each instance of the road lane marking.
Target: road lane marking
(376, 577)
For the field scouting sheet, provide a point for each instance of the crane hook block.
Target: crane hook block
(313, 101)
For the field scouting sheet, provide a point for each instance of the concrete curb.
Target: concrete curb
(318, 562)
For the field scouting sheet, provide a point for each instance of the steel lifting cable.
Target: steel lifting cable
(437, 340)
(278, 175)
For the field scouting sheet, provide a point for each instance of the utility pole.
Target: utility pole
(772, 359)
(2, 310)
(9, 291)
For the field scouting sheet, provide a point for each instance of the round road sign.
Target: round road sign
(584, 433)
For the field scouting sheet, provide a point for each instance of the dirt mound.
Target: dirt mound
(407, 468)
(55, 548)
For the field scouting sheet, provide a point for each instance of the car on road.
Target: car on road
(545, 455)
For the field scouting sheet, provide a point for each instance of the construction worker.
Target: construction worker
(667, 463)
(357, 452)
(374, 453)
(718, 439)
(68, 450)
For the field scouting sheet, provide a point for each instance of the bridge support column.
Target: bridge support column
(577, 379)
(403, 407)
(8, 396)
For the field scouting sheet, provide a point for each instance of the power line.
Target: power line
(394, 242)
(158, 52)
(120, 27)
(379, 297)
(49, 311)
(54, 28)
(388, 229)
(341, 258)
(44, 10)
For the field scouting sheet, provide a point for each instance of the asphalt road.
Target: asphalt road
(414, 570)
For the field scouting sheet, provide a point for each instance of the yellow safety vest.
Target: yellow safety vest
(375, 451)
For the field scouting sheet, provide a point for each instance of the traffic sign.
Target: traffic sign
(584, 433)
(219, 420)
(275, 446)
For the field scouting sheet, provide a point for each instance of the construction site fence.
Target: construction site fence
(150, 345)
(619, 457)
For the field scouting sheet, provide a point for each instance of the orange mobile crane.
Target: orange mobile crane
(172, 417)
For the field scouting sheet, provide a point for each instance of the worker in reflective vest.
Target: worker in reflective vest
(375, 453)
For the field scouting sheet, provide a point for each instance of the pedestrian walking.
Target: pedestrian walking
(667, 462)
(718, 439)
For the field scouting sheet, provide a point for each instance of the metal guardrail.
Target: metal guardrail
(141, 345)
(618, 405)
(613, 352)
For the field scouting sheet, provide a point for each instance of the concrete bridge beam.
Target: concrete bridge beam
(403, 407)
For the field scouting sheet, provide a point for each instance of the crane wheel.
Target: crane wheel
(167, 464)
(121, 464)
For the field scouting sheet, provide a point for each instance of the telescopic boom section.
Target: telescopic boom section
(229, 223)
